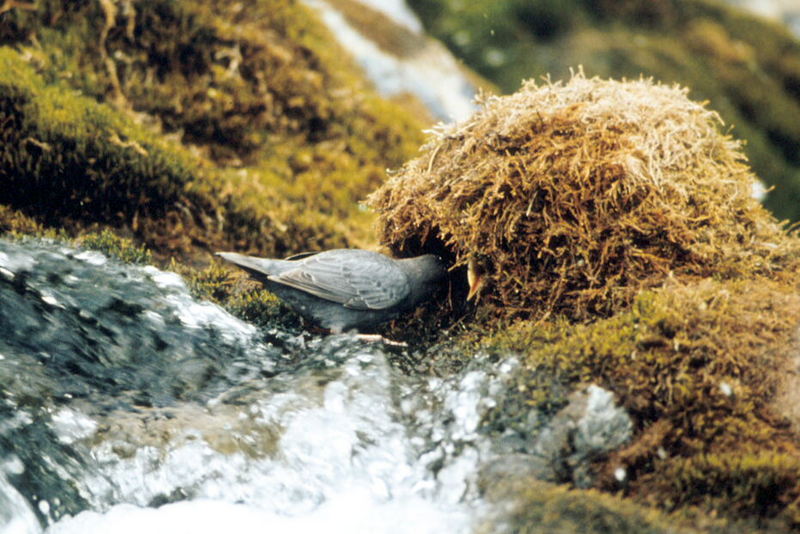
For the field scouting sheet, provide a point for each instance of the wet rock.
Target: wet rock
(591, 425)
(93, 326)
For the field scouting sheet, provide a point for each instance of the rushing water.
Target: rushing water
(128, 406)
(425, 68)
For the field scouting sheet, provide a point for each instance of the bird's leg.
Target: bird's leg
(377, 338)
(369, 338)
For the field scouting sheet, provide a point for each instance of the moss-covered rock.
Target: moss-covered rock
(614, 225)
(68, 160)
(571, 198)
(540, 508)
(746, 66)
(700, 368)
(192, 126)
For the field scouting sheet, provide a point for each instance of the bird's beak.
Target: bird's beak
(474, 278)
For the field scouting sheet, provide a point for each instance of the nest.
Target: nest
(572, 197)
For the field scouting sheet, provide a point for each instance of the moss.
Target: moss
(235, 126)
(620, 244)
(752, 485)
(66, 158)
(697, 366)
(116, 247)
(202, 68)
(540, 508)
(747, 67)
(571, 198)
(242, 297)
(15, 223)
(264, 309)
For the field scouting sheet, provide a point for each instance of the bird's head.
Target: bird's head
(431, 267)
(427, 273)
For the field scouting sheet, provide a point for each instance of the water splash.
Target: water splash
(128, 406)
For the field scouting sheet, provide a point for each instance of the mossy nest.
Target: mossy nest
(571, 197)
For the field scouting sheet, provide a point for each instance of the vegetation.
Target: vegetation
(748, 68)
(611, 221)
(191, 126)
(244, 298)
(572, 198)
(114, 246)
(613, 224)
(544, 508)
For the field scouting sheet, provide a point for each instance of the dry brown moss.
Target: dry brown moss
(747, 66)
(622, 204)
(573, 197)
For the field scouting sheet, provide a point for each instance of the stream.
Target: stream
(129, 406)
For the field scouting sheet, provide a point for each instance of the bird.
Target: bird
(346, 289)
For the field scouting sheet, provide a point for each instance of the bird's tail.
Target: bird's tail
(259, 267)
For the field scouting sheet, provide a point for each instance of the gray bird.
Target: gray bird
(346, 289)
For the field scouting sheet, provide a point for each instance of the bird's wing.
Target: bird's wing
(356, 279)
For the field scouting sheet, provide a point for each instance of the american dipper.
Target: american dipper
(343, 289)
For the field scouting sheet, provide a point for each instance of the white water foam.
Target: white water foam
(341, 462)
(432, 74)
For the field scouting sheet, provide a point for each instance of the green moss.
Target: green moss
(242, 297)
(116, 247)
(224, 126)
(16, 224)
(540, 508)
(236, 79)
(264, 309)
(697, 367)
(743, 485)
(65, 158)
